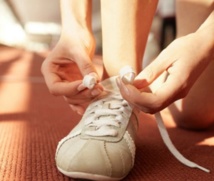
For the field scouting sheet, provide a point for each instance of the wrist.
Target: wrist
(206, 34)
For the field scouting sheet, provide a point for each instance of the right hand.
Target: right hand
(67, 64)
(183, 61)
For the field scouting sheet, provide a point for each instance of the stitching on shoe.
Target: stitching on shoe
(123, 162)
(131, 145)
(108, 159)
(62, 141)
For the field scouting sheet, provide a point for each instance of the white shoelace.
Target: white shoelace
(171, 147)
(105, 120)
(106, 115)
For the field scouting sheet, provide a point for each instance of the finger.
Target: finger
(133, 96)
(83, 96)
(152, 102)
(153, 70)
(77, 108)
(59, 88)
(85, 64)
(54, 82)
(77, 101)
(174, 88)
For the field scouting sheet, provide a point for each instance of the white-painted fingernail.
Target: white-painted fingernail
(127, 74)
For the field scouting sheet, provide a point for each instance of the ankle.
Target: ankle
(105, 75)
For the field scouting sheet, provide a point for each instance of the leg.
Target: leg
(196, 110)
(125, 26)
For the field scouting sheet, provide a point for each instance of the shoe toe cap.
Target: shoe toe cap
(85, 156)
(94, 157)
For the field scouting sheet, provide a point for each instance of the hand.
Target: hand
(183, 61)
(66, 65)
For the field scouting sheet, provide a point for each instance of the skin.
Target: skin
(186, 64)
(125, 32)
(201, 95)
(188, 67)
(71, 59)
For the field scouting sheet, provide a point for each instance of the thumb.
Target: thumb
(85, 64)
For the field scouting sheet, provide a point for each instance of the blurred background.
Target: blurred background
(35, 25)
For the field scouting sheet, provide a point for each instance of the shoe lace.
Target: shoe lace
(106, 116)
(171, 147)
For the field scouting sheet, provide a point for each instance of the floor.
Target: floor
(32, 122)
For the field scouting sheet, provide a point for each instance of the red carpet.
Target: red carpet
(32, 122)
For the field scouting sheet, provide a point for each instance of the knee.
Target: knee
(193, 119)
(193, 122)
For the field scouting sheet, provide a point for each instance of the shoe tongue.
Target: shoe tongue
(110, 84)
(109, 100)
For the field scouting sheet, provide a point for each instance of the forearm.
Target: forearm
(206, 34)
(76, 26)
(75, 12)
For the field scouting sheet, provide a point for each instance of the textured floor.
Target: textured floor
(32, 122)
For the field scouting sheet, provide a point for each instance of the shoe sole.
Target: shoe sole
(81, 175)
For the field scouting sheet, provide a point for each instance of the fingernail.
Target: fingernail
(80, 113)
(72, 107)
(81, 87)
(124, 88)
(118, 81)
(122, 85)
(95, 92)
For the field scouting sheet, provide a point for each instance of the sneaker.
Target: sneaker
(102, 145)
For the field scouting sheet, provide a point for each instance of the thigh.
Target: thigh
(196, 110)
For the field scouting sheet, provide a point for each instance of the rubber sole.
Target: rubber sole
(88, 176)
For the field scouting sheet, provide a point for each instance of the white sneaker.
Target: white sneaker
(101, 146)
